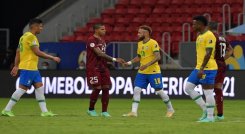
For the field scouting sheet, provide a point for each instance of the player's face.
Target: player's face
(196, 25)
(38, 28)
(141, 34)
(101, 31)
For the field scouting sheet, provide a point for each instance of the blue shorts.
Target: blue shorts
(209, 77)
(142, 80)
(28, 78)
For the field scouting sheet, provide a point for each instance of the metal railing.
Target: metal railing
(224, 8)
(188, 30)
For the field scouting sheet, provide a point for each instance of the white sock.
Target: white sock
(165, 99)
(210, 102)
(39, 93)
(14, 98)
(189, 88)
(136, 99)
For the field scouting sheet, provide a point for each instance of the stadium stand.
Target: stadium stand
(162, 15)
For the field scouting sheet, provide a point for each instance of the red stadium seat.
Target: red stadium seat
(69, 38)
(146, 10)
(121, 11)
(81, 38)
(108, 12)
(133, 10)
(109, 21)
(150, 3)
(123, 21)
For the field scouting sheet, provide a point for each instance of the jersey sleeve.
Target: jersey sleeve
(155, 46)
(32, 41)
(92, 44)
(210, 41)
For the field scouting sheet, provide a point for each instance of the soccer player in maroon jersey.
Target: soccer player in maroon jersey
(98, 76)
(223, 52)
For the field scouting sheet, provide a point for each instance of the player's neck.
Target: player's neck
(203, 31)
(32, 32)
(97, 36)
(146, 39)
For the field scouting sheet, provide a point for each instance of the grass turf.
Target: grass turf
(73, 119)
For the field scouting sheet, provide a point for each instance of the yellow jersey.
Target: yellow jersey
(28, 59)
(206, 40)
(146, 53)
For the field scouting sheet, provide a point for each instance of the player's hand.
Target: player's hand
(120, 60)
(200, 74)
(56, 59)
(143, 67)
(14, 71)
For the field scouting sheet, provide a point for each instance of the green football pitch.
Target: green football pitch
(72, 118)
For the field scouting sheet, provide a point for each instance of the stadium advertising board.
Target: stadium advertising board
(70, 84)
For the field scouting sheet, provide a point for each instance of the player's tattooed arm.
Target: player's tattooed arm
(107, 57)
(229, 52)
(205, 61)
(15, 69)
(156, 59)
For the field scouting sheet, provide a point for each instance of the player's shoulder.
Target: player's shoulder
(29, 36)
(154, 42)
(92, 39)
(209, 33)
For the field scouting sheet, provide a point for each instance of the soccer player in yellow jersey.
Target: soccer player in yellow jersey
(149, 72)
(26, 60)
(205, 70)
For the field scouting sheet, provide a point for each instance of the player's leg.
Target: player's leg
(189, 89)
(105, 100)
(156, 83)
(208, 89)
(39, 94)
(140, 83)
(94, 81)
(24, 84)
(106, 84)
(219, 79)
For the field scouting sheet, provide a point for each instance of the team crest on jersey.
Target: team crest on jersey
(210, 41)
(34, 42)
(92, 44)
(155, 45)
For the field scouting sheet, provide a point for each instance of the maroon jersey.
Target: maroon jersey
(220, 49)
(94, 61)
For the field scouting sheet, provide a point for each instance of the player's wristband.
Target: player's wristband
(129, 62)
(114, 59)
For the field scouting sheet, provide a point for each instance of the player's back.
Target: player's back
(28, 59)
(220, 48)
(146, 52)
(204, 41)
(92, 60)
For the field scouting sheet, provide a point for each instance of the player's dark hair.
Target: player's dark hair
(213, 25)
(147, 28)
(35, 21)
(97, 26)
(201, 19)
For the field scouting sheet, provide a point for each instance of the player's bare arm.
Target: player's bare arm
(229, 52)
(156, 59)
(15, 69)
(107, 57)
(205, 61)
(39, 53)
(134, 60)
